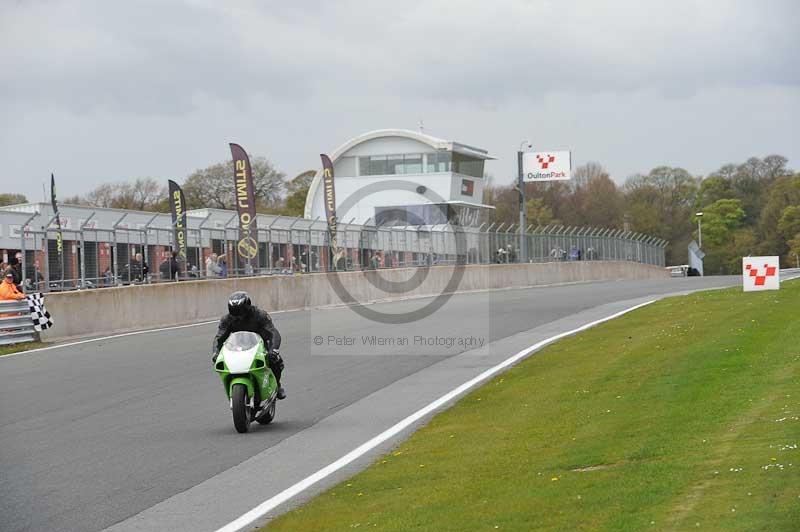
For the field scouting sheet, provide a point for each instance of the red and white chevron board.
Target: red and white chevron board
(761, 273)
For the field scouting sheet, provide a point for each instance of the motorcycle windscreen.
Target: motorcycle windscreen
(239, 351)
(242, 341)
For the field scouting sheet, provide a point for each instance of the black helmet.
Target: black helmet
(239, 304)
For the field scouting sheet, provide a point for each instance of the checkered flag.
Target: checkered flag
(39, 315)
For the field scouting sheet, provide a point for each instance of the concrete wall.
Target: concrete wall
(113, 310)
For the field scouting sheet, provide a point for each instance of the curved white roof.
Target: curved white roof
(434, 142)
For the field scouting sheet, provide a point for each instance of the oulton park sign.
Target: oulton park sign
(547, 166)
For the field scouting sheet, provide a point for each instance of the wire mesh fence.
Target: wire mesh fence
(128, 252)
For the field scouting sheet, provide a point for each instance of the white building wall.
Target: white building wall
(446, 185)
(388, 146)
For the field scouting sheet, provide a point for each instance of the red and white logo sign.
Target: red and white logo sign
(761, 273)
(545, 160)
(547, 166)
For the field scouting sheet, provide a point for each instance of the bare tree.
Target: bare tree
(212, 187)
(582, 174)
(143, 194)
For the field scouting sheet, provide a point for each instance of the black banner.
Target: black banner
(59, 235)
(177, 205)
(245, 198)
(329, 197)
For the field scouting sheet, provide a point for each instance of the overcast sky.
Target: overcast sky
(103, 91)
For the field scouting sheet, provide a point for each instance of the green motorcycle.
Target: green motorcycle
(251, 386)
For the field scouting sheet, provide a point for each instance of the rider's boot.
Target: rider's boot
(276, 365)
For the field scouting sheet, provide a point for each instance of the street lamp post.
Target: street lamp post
(523, 244)
(699, 230)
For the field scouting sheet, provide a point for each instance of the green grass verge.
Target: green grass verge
(16, 348)
(680, 415)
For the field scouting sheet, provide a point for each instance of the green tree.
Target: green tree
(742, 242)
(301, 181)
(12, 199)
(793, 255)
(724, 239)
(537, 213)
(661, 204)
(789, 223)
(714, 187)
(296, 203)
(784, 192)
(752, 181)
(720, 219)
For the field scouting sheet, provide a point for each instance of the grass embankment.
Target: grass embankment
(16, 348)
(682, 415)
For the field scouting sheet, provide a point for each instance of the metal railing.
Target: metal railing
(16, 325)
(117, 255)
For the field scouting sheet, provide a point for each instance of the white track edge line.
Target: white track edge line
(287, 494)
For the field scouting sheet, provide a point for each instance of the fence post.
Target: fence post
(114, 250)
(22, 250)
(83, 250)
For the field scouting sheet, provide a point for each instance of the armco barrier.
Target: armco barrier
(16, 325)
(113, 310)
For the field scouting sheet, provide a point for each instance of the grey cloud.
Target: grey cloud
(90, 83)
(142, 57)
(153, 57)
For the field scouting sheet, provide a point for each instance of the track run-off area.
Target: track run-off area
(134, 432)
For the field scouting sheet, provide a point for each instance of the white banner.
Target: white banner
(547, 166)
(760, 273)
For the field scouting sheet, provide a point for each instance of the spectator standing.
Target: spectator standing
(145, 268)
(223, 267)
(212, 267)
(169, 268)
(136, 269)
(304, 262)
(15, 269)
(107, 277)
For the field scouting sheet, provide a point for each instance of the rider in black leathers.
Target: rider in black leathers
(244, 316)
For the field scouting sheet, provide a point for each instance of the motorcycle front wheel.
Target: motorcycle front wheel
(241, 412)
(267, 417)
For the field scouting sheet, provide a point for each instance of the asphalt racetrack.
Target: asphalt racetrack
(131, 430)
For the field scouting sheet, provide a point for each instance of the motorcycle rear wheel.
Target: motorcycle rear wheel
(241, 411)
